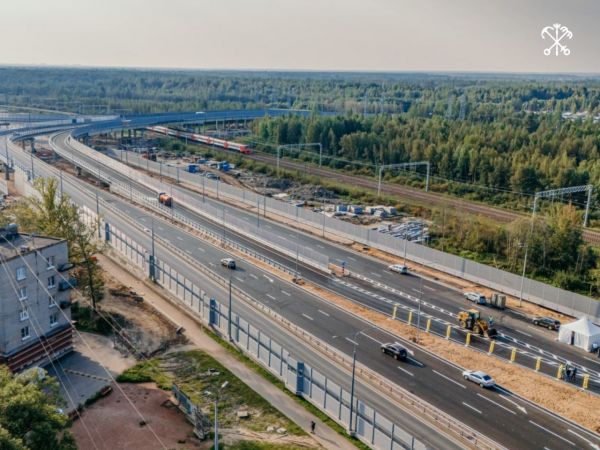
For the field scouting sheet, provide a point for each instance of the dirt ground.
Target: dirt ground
(114, 424)
(577, 405)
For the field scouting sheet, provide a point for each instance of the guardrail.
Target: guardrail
(404, 397)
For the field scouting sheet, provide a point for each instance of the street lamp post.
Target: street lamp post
(217, 395)
(229, 313)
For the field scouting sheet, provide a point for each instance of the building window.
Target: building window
(53, 319)
(50, 262)
(23, 293)
(51, 282)
(24, 333)
(21, 273)
(51, 302)
(24, 314)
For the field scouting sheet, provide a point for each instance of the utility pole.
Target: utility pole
(229, 313)
(153, 266)
(351, 431)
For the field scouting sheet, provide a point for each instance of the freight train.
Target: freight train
(227, 145)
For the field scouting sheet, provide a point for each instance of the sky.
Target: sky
(333, 35)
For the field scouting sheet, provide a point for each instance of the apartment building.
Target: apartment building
(35, 315)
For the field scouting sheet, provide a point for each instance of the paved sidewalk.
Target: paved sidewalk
(324, 435)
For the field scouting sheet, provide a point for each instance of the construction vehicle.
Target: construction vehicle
(471, 320)
(165, 199)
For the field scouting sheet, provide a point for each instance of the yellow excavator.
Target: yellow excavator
(471, 320)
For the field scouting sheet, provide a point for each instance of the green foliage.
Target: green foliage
(29, 416)
(54, 215)
(145, 372)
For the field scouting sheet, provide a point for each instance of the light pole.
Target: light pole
(229, 313)
(217, 395)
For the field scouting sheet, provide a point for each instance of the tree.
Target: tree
(52, 214)
(29, 414)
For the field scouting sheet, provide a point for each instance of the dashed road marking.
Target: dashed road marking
(376, 274)
(450, 379)
(201, 249)
(180, 238)
(406, 371)
(430, 288)
(552, 433)
(271, 297)
(472, 407)
(371, 337)
(307, 316)
(350, 340)
(239, 279)
(253, 276)
(323, 312)
(188, 251)
(522, 332)
(320, 246)
(595, 446)
(497, 404)
(351, 258)
(268, 278)
(286, 293)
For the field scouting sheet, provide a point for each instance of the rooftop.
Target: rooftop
(13, 243)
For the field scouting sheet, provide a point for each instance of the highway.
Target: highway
(438, 301)
(428, 377)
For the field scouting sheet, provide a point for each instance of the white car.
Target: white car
(399, 268)
(476, 297)
(479, 377)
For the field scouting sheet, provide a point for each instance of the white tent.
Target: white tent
(581, 333)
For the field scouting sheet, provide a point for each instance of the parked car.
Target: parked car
(229, 263)
(396, 350)
(476, 297)
(551, 324)
(479, 377)
(399, 268)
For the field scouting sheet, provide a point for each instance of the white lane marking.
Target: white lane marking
(211, 264)
(253, 276)
(270, 279)
(450, 379)
(286, 293)
(320, 246)
(430, 288)
(472, 407)
(323, 312)
(201, 249)
(307, 316)
(291, 235)
(417, 291)
(180, 238)
(376, 274)
(406, 371)
(351, 341)
(161, 228)
(505, 397)
(143, 219)
(239, 279)
(522, 332)
(371, 337)
(551, 432)
(496, 403)
(351, 258)
(546, 448)
(590, 359)
(271, 297)
(267, 226)
(594, 446)
(188, 251)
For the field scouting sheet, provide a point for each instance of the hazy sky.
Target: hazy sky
(398, 35)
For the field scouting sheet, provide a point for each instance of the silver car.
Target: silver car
(398, 268)
(479, 377)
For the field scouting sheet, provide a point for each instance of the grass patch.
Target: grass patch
(279, 384)
(196, 374)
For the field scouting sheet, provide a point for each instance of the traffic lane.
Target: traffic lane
(444, 297)
(542, 344)
(445, 388)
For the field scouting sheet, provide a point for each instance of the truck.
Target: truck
(192, 168)
(165, 199)
(498, 300)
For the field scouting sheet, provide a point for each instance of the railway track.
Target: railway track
(426, 198)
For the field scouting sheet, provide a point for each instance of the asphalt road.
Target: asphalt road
(439, 301)
(433, 380)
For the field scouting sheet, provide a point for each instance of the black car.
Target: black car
(551, 324)
(396, 350)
